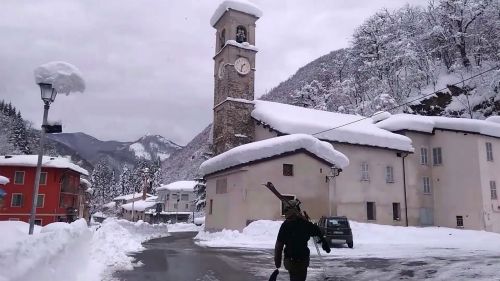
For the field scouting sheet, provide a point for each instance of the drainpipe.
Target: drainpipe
(403, 156)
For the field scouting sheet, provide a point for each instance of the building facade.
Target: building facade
(177, 200)
(58, 195)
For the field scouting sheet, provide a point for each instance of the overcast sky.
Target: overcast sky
(148, 64)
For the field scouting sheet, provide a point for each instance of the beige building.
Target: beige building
(386, 182)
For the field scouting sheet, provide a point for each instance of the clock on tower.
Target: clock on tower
(234, 67)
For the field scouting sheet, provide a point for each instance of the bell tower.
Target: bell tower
(234, 68)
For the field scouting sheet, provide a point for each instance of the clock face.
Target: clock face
(242, 66)
(221, 69)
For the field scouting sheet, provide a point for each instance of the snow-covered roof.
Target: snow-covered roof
(63, 76)
(178, 186)
(110, 205)
(427, 124)
(237, 5)
(47, 162)
(274, 147)
(85, 182)
(4, 180)
(130, 196)
(140, 205)
(244, 45)
(289, 119)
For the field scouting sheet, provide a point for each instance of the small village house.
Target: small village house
(177, 200)
(59, 192)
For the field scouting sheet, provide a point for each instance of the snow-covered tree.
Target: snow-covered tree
(201, 194)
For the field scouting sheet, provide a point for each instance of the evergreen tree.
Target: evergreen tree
(103, 183)
(201, 194)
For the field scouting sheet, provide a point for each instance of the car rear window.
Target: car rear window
(337, 222)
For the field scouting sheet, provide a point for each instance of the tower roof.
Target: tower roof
(237, 5)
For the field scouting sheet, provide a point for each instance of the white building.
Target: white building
(177, 200)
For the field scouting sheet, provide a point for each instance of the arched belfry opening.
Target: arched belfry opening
(222, 39)
(241, 34)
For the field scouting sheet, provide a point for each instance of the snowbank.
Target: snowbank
(61, 248)
(370, 240)
(239, 5)
(184, 227)
(271, 147)
(64, 77)
(4, 180)
(115, 238)
(61, 251)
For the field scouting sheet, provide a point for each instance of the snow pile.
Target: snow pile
(115, 238)
(39, 256)
(178, 186)
(427, 124)
(63, 77)
(289, 119)
(258, 234)
(47, 162)
(370, 240)
(4, 180)
(237, 5)
(199, 220)
(495, 119)
(273, 147)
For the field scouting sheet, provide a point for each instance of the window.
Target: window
(288, 170)
(283, 205)
(489, 151)
(210, 206)
(17, 200)
(184, 197)
(437, 158)
(396, 211)
(426, 184)
(40, 200)
(389, 174)
(43, 178)
(423, 156)
(493, 189)
(175, 196)
(19, 177)
(364, 172)
(221, 186)
(460, 221)
(187, 206)
(370, 211)
(241, 34)
(168, 196)
(38, 222)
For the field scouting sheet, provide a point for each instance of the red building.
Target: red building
(59, 194)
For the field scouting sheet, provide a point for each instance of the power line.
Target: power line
(408, 102)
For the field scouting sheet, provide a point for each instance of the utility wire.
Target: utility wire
(408, 102)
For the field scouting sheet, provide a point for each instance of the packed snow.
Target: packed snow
(178, 186)
(85, 182)
(289, 119)
(64, 77)
(72, 251)
(427, 124)
(273, 147)
(47, 162)
(244, 45)
(237, 5)
(370, 240)
(4, 180)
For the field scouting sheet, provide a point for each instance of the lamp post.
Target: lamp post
(48, 94)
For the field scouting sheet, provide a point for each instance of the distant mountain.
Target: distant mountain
(183, 164)
(92, 150)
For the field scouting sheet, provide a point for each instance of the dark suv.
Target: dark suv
(337, 230)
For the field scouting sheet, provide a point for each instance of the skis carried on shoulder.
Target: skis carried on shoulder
(304, 216)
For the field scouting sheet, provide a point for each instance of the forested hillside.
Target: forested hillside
(398, 56)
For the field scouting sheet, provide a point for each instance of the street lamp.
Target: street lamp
(48, 95)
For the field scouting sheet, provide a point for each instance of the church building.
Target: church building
(371, 170)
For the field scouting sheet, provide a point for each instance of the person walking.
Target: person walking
(293, 236)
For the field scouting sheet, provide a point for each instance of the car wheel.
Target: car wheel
(350, 244)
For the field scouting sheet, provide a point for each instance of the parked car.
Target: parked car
(337, 230)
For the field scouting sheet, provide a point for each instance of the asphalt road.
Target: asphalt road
(177, 258)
